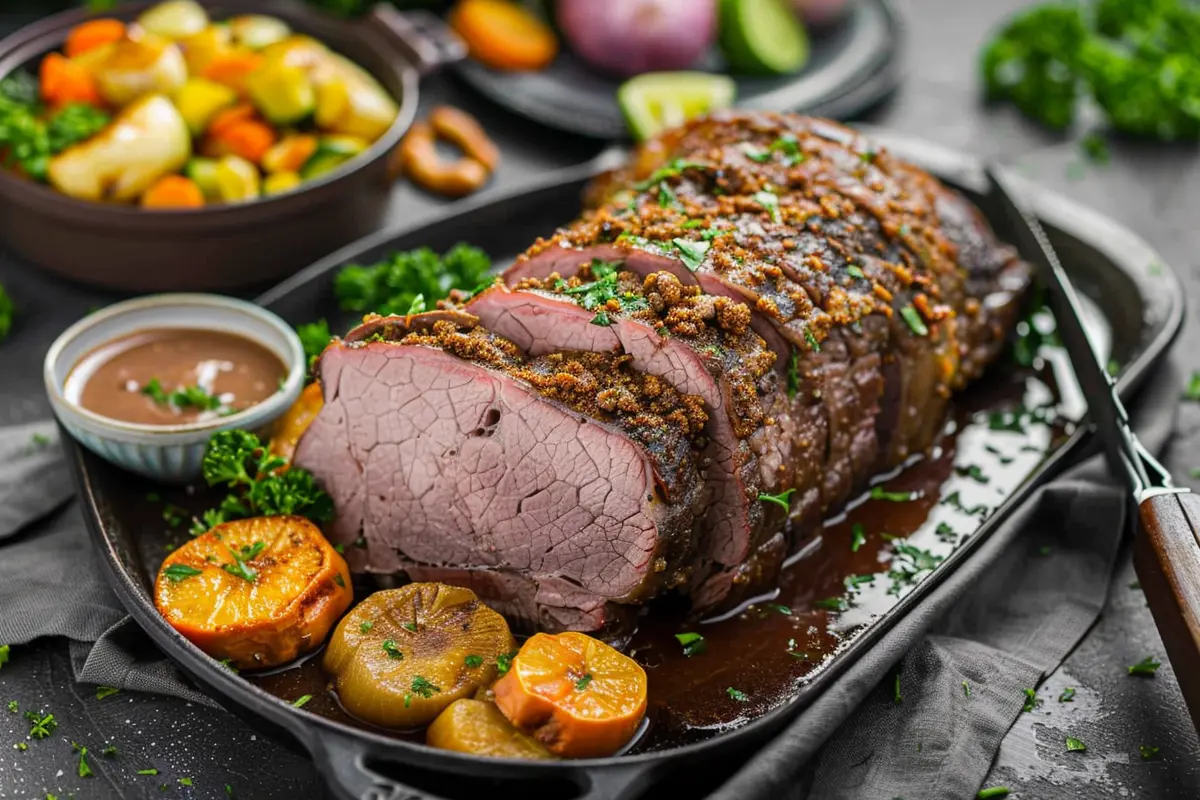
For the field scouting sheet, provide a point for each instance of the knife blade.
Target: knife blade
(1166, 549)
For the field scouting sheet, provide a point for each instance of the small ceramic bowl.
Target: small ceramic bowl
(169, 453)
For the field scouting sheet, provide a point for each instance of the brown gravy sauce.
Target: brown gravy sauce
(232, 373)
(995, 436)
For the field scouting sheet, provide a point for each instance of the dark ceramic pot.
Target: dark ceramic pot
(229, 246)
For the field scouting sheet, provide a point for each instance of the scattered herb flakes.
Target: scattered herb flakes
(793, 376)
(691, 253)
(672, 169)
(423, 688)
(780, 608)
(473, 661)
(1031, 700)
(39, 440)
(854, 271)
(583, 682)
(909, 564)
(1113, 367)
(993, 791)
(105, 691)
(974, 472)
(1075, 746)
(339, 548)
(85, 769)
(238, 566)
(966, 689)
(897, 698)
(915, 323)
(1135, 585)
(1194, 472)
(783, 499)
(150, 771)
(754, 154)
(832, 604)
(409, 626)
(693, 643)
(1147, 751)
(228, 664)
(179, 572)
(858, 536)
(41, 727)
(1147, 666)
(5, 651)
(853, 582)
(339, 580)
(945, 533)
(769, 202)
(109, 751)
(879, 493)
(504, 662)
(1192, 392)
(954, 500)
(173, 515)
(300, 701)
(739, 696)
(185, 781)
(21, 746)
(1067, 696)
(12, 706)
(389, 647)
(1044, 550)
(183, 397)
(793, 652)
(365, 626)
(229, 790)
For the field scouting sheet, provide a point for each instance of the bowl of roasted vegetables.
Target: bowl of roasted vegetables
(181, 145)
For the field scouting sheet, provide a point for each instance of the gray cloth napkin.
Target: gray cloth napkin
(1001, 623)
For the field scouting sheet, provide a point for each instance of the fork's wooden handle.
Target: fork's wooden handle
(1167, 558)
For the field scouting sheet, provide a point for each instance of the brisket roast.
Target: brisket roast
(757, 306)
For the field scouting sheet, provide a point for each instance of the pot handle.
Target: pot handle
(619, 782)
(422, 37)
(343, 763)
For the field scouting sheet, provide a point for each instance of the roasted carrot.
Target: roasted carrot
(173, 191)
(62, 81)
(503, 35)
(231, 68)
(258, 592)
(296, 421)
(92, 34)
(250, 139)
(230, 116)
(291, 153)
(575, 694)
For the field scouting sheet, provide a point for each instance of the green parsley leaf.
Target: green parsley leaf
(178, 572)
(366, 626)
(150, 771)
(793, 652)
(754, 154)
(105, 691)
(13, 707)
(769, 202)
(992, 792)
(915, 323)
(739, 696)
(691, 253)
(1031, 700)
(1067, 696)
(1192, 392)
(780, 608)
(109, 751)
(339, 580)
(21, 746)
(1147, 751)
(391, 285)
(966, 689)
(855, 271)
(693, 643)
(1075, 746)
(473, 662)
(793, 376)
(300, 701)
(583, 682)
(897, 698)
(879, 493)
(417, 305)
(504, 662)
(185, 781)
(424, 688)
(783, 499)
(811, 340)
(409, 626)
(314, 338)
(5, 650)
(858, 536)
(832, 604)
(1147, 666)
(672, 169)
(41, 727)
(389, 647)
(85, 769)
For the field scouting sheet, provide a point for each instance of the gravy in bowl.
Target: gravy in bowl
(174, 376)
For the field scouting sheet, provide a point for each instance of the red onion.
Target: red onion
(629, 37)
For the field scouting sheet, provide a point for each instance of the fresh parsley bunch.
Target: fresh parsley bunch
(1139, 62)
(261, 484)
(27, 138)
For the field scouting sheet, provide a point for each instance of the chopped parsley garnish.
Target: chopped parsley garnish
(13, 707)
(389, 647)
(1147, 751)
(855, 271)
(793, 652)
(422, 688)
(85, 769)
(691, 253)
(1075, 746)
(473, 662)
(692, 223)
(769, 202)
(993, 791)
(789, 145)
(908, 564)
(780, 608)
(599, 292)
(5, 650)
(974, 472)
(666, 196)
(583, 682)
(1067, 696)
(811, 340)
(41, 727)
(228, 664)
(793, 376)
(260, 485)
(183, 397)
(409, 626)
(105, 691)
(240, 557)
(178, 572)
(366, 626)
(340, 549)
(1147, 666)
(150, 771)
(741, 697)
(853, 582)
(109, 751)
(21, 746)
(504, 662)
(693, 643)
(945, 533)
(754, 154)
(966, 689)
(417, 305)
(672, 169)
(954, 500)
(300, 701)
(879, 493)
(897, 698)
(1135, 585)
(1031, 700)
(832, 604)
(783, 499)
(915, 323)
(858, 536)
(392, 285)
(185, 781)
(1192, 392)
(173, 515)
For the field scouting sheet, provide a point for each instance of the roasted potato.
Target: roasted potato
(174, 19)
(134, 67)
(259, 592)
(478, 727)
(403, 655)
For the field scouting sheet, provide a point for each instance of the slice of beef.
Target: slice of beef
(700, 344)
(447, 448)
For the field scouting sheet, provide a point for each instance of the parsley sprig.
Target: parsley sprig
(183, 397)
(598, 292)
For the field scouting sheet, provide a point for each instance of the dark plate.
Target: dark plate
(1139, 299)
(851, 55)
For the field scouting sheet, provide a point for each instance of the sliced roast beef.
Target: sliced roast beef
(700, 344)
(448, 448)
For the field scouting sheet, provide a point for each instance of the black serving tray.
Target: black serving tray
(852, 66)
(1139, 297)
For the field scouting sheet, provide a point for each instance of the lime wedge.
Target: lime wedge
(655, 101)
(762, 37)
